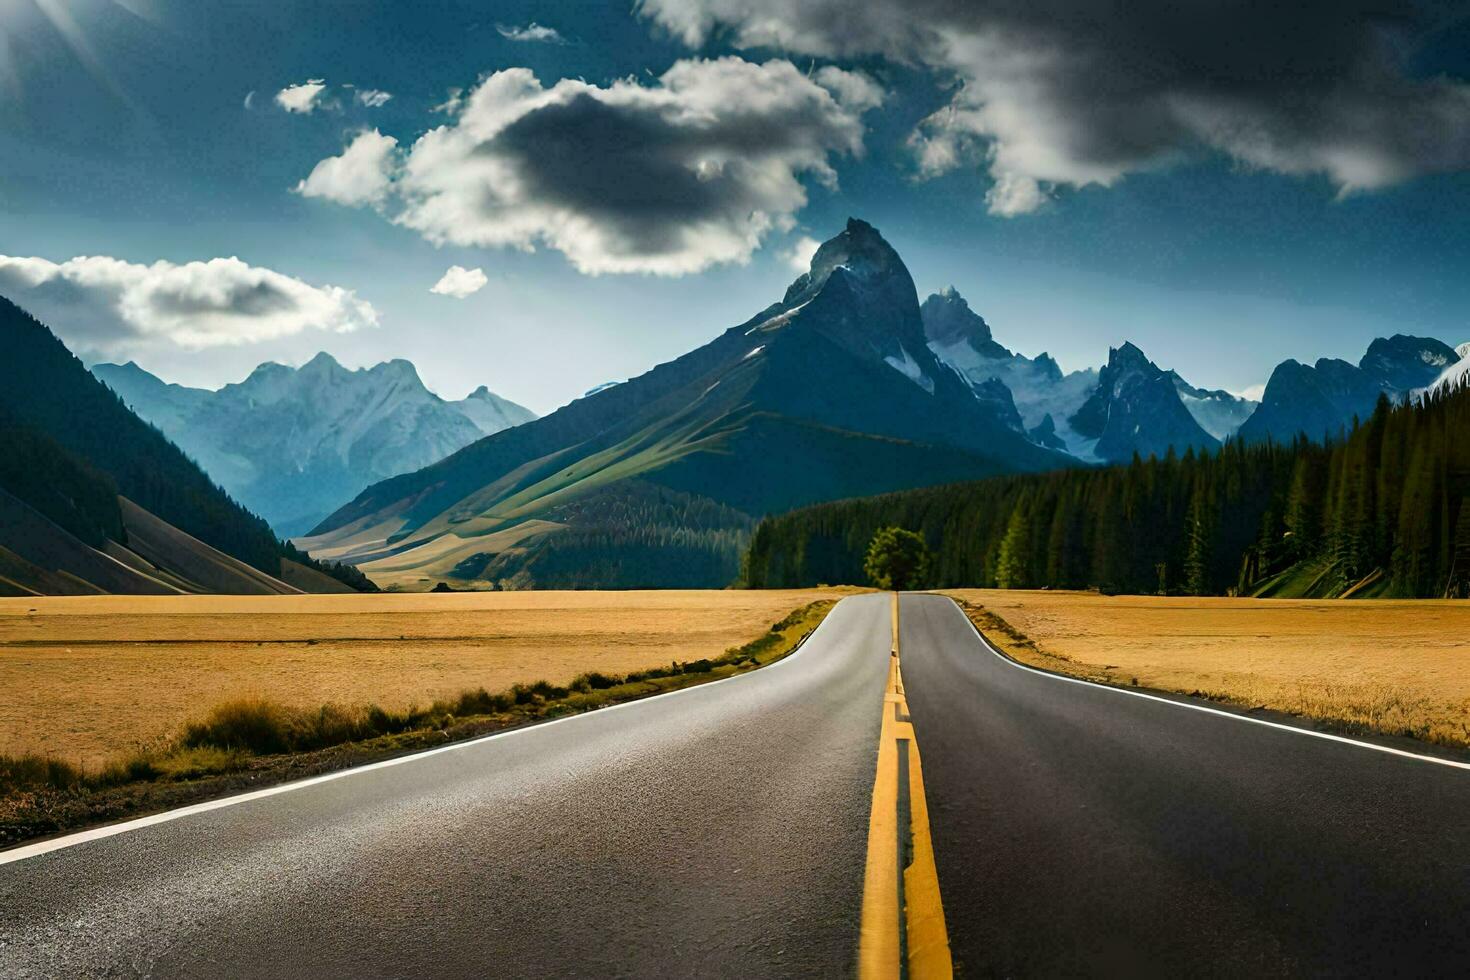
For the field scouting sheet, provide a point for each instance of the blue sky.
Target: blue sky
(1220, 225)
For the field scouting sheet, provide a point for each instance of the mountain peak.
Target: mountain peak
(949, 321)
(321, 362)
(1407, 362)
(1127, 355)
(398, 369)
(1136, 408)
(859, 250)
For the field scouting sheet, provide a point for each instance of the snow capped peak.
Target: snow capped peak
(397, 370)
(1463, 350)
(321, 362)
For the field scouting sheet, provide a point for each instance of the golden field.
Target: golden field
(85, 677)
(1398, 667)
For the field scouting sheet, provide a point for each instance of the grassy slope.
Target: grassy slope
(251, 743)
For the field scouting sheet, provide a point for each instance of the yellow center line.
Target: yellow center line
(903, 931)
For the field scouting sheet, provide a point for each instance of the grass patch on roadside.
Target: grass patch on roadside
(1343, 707)
(250, 742)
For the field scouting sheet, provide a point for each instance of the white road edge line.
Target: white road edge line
(112, 830)
(1328, 736)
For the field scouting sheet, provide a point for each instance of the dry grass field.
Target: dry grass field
(1392, 667)
(84, 678)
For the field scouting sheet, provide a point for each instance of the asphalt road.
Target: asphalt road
(722, 831)
(719, 831)
(1079, 830)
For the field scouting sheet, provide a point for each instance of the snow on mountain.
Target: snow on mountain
(292, 444)
(961, 338)
(490, 412)
(1218, 412)
(909, 368)
(1136, 408)
(1322, 399)
(1455, 375)
(1405, 363)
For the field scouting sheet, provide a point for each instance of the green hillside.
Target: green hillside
(72, 447)
(830, 393)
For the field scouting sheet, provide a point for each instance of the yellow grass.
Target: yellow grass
(1386, 666)
(83, 678)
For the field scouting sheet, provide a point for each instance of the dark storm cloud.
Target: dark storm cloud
(667, 178)
(1073, 92)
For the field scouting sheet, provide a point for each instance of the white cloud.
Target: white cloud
(373, 98)
(1253, 393)
(1070, 93)
(460, 282)
(453, 100)
(799, 255)
(304, 98)
(853, 89)
(249, 100)
(533, 33)
(360, 175)
(118, 308)
(1011, 195)
(668, 178)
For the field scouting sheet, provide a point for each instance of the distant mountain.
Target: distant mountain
(294, 443)
(831, 392)
(1318, 401)
(1321, 400)
(1047, 400)
(1218, 412)
(94, 499)
(490, 412)
(961, 338)
(1136, 408)
(1404, 363)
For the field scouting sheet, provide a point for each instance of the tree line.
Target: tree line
(1380, 510)
(631, 535)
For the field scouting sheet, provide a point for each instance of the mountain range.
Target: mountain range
(292, 444)
(93, 499)
(832, 391)
(847, 386)
(1130, 405)
(1321, 400)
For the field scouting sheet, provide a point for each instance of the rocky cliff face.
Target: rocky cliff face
(1136, 409)
(1320, 400)
(962, 339)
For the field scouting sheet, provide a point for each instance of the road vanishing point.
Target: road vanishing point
(895, 798)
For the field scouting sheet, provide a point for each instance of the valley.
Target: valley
(845, 388)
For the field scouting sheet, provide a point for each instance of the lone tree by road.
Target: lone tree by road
(897, 559)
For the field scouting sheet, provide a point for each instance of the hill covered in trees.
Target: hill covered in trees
(1380, 511)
